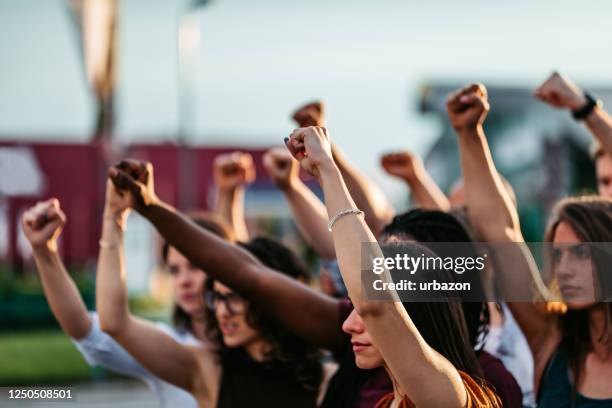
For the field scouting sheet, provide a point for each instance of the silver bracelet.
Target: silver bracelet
(342, 214)
(108, 245)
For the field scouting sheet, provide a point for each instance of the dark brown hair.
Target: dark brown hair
(288, 350)
(212, 223)
(590, 217)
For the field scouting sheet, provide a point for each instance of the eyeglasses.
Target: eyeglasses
(233, 302)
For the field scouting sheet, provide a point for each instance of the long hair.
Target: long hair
(430, 227)
(211, 223)
(590, 217)
(287, 349)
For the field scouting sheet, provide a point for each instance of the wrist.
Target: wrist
(577, 101)
(45, 249)
(327, 167)
(116, 218)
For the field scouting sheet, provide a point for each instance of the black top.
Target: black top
(248, 383)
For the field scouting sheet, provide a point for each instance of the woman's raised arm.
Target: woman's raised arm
(306, 312)
(436, 382)
(154, 349)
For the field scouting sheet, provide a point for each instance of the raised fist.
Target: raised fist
(560, 92)
(136, 179)
(311, 147)
(231, 170)
(43, 223)
(404, 165)
(281, 167)
(311, 114)
(468, 107)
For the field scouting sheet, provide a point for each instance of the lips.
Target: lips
(189, 297)
(359, 347)
(228, 328)
(569, 291)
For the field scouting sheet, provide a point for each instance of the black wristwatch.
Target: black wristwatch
(588, 107)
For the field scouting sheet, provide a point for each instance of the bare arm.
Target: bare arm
(153, 348)
(409, 167)
(232, 172)
(309, 212)
(368, 197)
(561, 92)
(436, 382)
(493, 214)
(42, 225)
(309, 314)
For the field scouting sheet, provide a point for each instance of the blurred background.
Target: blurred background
(86, 82)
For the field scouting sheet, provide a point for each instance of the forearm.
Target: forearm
(426, 193)
(368, 197)
(311, 219)
(230, 207)
(62, 294)
(491, 211)
(436, 383)
(299, 308)
(599, 123)
(111, 285)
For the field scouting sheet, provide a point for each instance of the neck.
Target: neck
(397, 388)
(257, 349)
(600, 331)
(198, 327)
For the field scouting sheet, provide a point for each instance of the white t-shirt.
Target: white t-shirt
(100, 349)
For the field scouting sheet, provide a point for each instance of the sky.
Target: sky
(258, 60)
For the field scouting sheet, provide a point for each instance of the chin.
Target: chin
(579, 305)
(365, 363)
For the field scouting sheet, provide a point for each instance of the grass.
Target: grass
(40, 357)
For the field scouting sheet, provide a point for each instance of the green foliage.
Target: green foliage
(41, 357)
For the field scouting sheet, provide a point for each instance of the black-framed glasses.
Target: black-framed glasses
(234, 303)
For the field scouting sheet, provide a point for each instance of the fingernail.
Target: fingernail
(464, 98)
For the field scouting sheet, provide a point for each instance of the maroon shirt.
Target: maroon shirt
(501, 380)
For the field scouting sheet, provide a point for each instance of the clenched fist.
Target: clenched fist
(404, 165)
(560, 92)
(136, 179)
(231, 170)
(311, 114)
(311, 147)
(468, 107)
(43, 223)
(281, 167)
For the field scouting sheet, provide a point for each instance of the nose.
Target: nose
(565, 266)
(353, 324)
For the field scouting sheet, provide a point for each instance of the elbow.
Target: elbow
(114, 327)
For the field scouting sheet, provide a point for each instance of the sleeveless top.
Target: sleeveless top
(249, 383)
(477, 396)
(556, 388)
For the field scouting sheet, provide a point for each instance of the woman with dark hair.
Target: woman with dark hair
(571, 350)
(430, 335)
(442, 233)
(42, 225)
(255, 364)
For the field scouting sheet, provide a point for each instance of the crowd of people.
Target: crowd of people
(250, 328)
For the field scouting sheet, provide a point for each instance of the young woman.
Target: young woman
(256, 363)
(430, 335)
(571, 351)
(42, 225)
